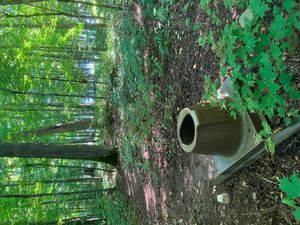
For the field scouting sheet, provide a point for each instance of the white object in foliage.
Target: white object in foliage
(223, 198)
(247, 14)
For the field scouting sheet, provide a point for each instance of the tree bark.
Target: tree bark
(48, 94)
(71, 180)
(20, 2)
(54, 151)
(60, 128)
(88, 26)
(7, 15)
(56, 194)
(65, 166)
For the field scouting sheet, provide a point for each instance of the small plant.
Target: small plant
(291, 187)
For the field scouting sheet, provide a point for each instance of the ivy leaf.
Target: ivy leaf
(267, 72)
(264, 58)
(285, 79)
(276, 10)
(258, 7)
(277, 28)
(249, 41)
(288, 5)
(291, 186)
(281, 112)
(273, 87)
(275, 51)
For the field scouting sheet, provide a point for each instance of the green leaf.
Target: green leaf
(291, 186)
(273, 87)
(297, 214)
(263, 42)
(294, 19)
(196, 26)
(288, 5)
(287, 121)
(223, 71)
(233, 114)
(228, 3)
(285, 79)
(277, 28)
(276, 10)
(275, 51)
(288, 202)
(258, 7)
(202, 40)
(266, 128)
(267, 72)
(249, 41)
(270, 145)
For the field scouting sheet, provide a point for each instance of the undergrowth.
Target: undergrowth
(291, 187)
(253, 53)
(116, 210)
(141, 52)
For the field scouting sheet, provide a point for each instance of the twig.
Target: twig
(293, 60)
(265, 179)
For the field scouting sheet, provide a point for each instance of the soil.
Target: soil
(182, 193)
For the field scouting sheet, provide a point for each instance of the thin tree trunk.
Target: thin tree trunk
(20, 2)
(51, 14)
(54, 151)
(64, 166)
(56, 194)
(48, 94)
(73, 180)
(88, 26)
(61, 128)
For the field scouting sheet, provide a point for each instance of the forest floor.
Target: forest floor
(165, 185)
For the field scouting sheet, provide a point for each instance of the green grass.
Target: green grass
(116, 210)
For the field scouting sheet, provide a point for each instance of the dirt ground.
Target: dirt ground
(182, 192)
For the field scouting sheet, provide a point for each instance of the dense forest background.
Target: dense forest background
(56, 61)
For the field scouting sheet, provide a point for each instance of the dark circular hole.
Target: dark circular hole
(187, 130)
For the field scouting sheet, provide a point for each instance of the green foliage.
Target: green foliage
(116, 210)
(51, 69)
(291, 187)
(259, 50)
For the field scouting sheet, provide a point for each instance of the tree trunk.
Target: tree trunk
(65, 166)
(60, 128)
(71, 180)
(56, 194)
(20, 2)
(88, 26)
(54, 151)
(48, 94)
(52, 14)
